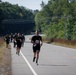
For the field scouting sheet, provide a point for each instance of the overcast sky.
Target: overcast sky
(31, 4)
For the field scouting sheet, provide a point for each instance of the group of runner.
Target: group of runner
(19, 39)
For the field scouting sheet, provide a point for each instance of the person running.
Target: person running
(11, 37)
(37, 43)
(14, 39)
(7, 39)
(23, 40)
(19, 43)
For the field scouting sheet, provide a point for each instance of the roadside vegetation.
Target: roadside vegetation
(15, 18)
(60, 42)
(5, 59)
(57, 19)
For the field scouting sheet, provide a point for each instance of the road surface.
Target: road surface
(53, 60)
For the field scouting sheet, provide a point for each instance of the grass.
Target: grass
(2, 45)
(64, 45)
(5, 59)
(59, 44)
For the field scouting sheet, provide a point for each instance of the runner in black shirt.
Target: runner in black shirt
(14, 39)
(37, 43)
(23, 39)
(7, 39)
(19, 43)
(11, 37)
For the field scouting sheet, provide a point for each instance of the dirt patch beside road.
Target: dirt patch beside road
(5, 60)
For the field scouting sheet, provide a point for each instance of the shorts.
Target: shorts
(36, 48)
(18, 45)
(7, 42)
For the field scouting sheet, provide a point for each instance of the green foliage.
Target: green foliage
(15, 12)
(57, 19)
(1, 18)
(12, 15)
(74, 32)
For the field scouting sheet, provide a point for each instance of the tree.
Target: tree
(13, 16)
(0, 0)
(57, 19)
(42, 4)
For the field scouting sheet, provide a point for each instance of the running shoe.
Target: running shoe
(37, 62)
(16, 52)
(33, 59)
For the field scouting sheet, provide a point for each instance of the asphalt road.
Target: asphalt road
(53, 60)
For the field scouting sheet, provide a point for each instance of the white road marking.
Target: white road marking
(28, 64)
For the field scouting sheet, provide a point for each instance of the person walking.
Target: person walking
(37, 43)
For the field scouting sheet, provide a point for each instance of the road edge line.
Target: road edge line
(28, 64)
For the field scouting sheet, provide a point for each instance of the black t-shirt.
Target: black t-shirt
(7, 38)
(18, 40)
(23, 38)
(36, 39)
(15, 37)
